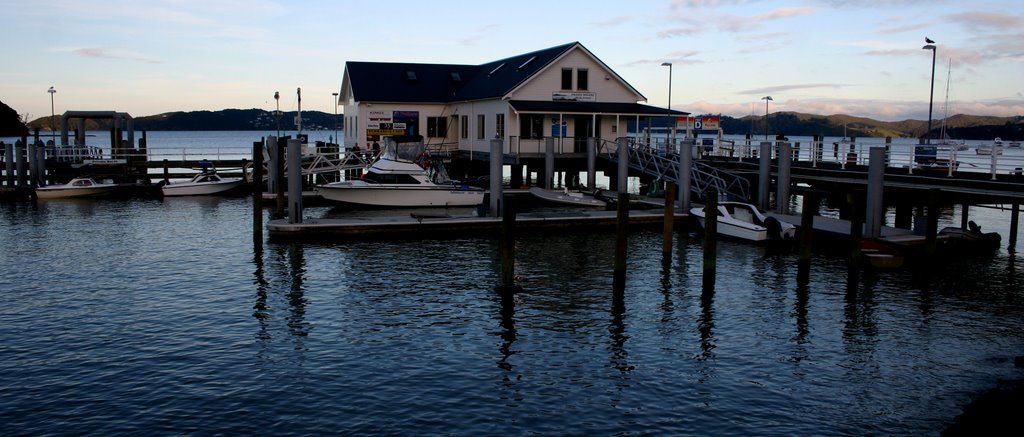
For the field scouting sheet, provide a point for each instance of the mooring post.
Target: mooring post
(496, 159)
(670, 208)
(904, 214)
(295, 180)
(853, 200)
(167, 172)
(785, 158)
(685, 173)
(9, 164)
(257, 194)
(591, 163)
(810, 207)
(875, 210)
(279, 169)
(33, 163)
(965, 215)
(622, 216)
(508, 245)
(932, 227)
(764, 176)
(549, 163)
(1014, 220)
(711, 236)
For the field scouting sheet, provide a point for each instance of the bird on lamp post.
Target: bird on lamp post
(930, 46)
(277, 112)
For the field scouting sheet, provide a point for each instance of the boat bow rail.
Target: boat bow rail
(665, 166)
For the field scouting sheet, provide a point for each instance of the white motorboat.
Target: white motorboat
(745, 222)
(202, 184)
(988, 149)
(568, 197)
(403, 176)
(76, 188)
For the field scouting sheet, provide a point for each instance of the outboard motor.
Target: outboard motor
(774, 228)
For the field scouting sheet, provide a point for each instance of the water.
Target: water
(156, 315)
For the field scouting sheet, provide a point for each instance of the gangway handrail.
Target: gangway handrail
(664, 166)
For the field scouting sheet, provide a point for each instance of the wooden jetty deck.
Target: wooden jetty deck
(415, 226)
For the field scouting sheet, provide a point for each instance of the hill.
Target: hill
(10, 122)
(968, 127)
(227, 119)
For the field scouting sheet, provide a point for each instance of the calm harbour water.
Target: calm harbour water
(131, 316)
(142, 316)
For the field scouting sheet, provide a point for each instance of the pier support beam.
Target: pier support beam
(965, 211)
(591, 163)
(508, 245)
(1014, 221)
(9, 164)
(19, 155)
(785, 158)
(622, 217)
(711, 239)
(764, 176)
(295, 180)
(495, 178)
(932, 226)
(667, 231)
(257, 194)
(875, 212)
(810, 207)
(549, 163)
(904, 214)
(685, 170)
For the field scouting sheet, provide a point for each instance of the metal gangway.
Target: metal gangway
(664, 165)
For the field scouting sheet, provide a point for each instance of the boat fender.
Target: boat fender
(774, 228)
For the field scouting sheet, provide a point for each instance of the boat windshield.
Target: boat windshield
(403, 148)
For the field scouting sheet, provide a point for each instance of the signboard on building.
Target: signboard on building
(565, 96)
(698, 123)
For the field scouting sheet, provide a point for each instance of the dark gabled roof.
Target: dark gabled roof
(590, 108)
(498, 78)
(406, 82)
(409, 82)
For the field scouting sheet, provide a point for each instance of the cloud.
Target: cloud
(986, 21)
(682, 57)
(104, 53)
(783, 88)
(613, 21)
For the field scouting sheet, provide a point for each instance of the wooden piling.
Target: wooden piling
(1014, 220)
(670, 207)
(810, 207)
(965, 215)
(167, 172)
(257, 195)
(621, 242)
(710, 239)
(932, 227)
(853, 201)
(279, 172)
(508, 244)
(295, 181)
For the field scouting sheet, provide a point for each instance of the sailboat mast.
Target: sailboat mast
(945, 113)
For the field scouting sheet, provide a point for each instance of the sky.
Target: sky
(856, 57)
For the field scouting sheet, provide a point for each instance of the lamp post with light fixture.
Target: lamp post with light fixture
(672, 127)
(277, 112)
(53, 133)
(931, 94)
(336, 141)
(766, 100)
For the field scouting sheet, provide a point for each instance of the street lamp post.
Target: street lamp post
(53, 133)
(766, 100)
(672, 127)
(277, 112)
(931, 94)
(336, 118)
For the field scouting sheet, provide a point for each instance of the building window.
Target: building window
(499, 125)
(566, 78)
(437, 127)
(531, 126)
(480, 132)
(464, 127)
(581, 79)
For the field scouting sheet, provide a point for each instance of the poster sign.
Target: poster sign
(698, 123)
(564, 96)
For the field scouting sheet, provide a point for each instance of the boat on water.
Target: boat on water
(404, 175)
(566, 197)
(202, 184)
(988, 149)
(79, 187)
(880, 255)
(971, 238)
(744, 221)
